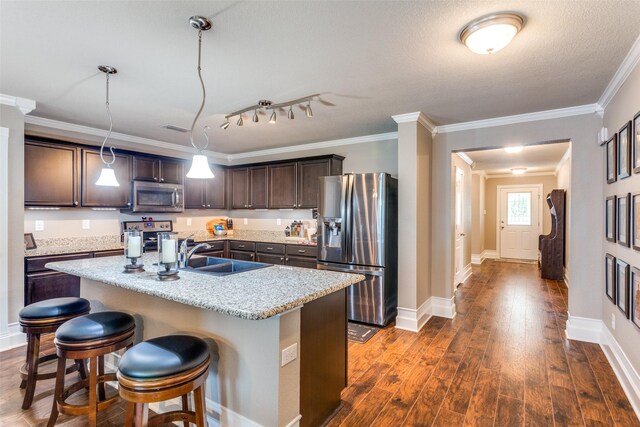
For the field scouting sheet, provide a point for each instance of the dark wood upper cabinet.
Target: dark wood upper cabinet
(146, 168)
(215, 189)
(239, 188)
(98, 196)
(282, 186)
(258, 180)
(51, 174)
(308, 183)
(194, 193)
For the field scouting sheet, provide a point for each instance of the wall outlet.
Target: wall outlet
(188, 221)
(289, 354)
(246, 221)
(86, 224)
(278, 221)
(613, 321)
(39, 225)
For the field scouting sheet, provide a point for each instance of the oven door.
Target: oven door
(156, 197)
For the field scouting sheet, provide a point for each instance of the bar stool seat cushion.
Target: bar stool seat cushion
(95, 326)
(55, 307)
(163, 357)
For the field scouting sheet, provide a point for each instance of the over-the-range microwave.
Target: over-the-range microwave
(155, 197)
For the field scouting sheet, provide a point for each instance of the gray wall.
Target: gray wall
(585, 266)
(622, 108)
(13, 119)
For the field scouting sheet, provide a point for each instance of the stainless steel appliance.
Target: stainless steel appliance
(155, 197)
(358, 229)
(150, 230)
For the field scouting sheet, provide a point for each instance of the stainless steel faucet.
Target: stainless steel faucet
(184, 256)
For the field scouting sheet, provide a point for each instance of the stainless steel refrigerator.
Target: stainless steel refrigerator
(358, 227)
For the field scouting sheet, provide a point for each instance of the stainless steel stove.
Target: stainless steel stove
(150, 230)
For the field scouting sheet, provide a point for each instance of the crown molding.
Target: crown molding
(23, 104)
(628, 64)
(521, 118)
(465, 158)
(315, 145)
(565, 158)
(524, 175)
(87, 130)
(419, 117)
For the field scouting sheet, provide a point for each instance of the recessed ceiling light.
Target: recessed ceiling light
(518, 171)
(513, 149)
(491, 33)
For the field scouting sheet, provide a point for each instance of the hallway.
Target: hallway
(503, 360)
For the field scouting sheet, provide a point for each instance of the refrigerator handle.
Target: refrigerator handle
(348, 220)
(343, 214)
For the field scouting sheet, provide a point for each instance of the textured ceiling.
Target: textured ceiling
(536, 158)
(371, 59)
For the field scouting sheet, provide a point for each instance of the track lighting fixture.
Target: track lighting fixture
(265, 105)
(200, 164)
(107, 176)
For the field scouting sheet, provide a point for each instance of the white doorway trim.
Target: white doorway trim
(4, 230)
(498, 189)
(459, 229)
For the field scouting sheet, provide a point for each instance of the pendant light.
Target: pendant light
(200, 164)
(107, 176)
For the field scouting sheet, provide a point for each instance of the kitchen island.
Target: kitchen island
(248, 319)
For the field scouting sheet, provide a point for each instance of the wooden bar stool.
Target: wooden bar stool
(160, 369)
(45, 317)
(89, 337)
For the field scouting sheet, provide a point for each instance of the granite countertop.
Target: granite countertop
(70, 245)
(252, 295)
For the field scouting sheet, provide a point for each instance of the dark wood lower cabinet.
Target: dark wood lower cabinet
(304, 262)
(271, 258)
(50, 284)
(242, 255)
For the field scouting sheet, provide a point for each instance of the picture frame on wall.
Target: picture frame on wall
(635, 221)
(634, 297)
(612, 159)
(624, 151)
(622, 219)
(610, 277)
(610, 217)
(635, 133)
(622, 286)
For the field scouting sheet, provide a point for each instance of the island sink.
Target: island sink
(221, 266)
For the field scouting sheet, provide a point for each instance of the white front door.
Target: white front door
(459, 227)
(519, 222)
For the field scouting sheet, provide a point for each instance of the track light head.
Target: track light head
(225, 125)
(308, 110)
(272, 119)
(240, 122)
(290, 113)
(255, 116)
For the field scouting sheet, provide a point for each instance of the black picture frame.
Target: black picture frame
(29, 241)
(635, 134)
(610, 277)
(622, 219)
(610, 219)
(635, 221)
(612, 156)
(624, 151)
(622, 286)
(634, 297)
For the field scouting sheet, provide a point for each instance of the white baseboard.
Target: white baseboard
(476, 259)
(624, 370)
(220, 416)
(566, 277)
(12, 338)
(584, 329)
(489, 254)
(413, 320)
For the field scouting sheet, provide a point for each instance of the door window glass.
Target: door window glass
(518, 208)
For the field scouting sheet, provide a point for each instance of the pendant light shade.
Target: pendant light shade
(200, 168)
(272, 119)
(107, 178)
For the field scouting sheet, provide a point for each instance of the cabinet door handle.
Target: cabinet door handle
(75, 203)
(208, 206)
(203, 206)
(253, 256)
(161, 179)
(155, 178)
(241, 246)
(250, 205)
(269, 248)
(281, 258)
(302, 251)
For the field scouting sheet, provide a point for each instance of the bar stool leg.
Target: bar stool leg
(141, 415)
(185, 407)
(82, 368)
(57, 394)
(199, 406)
(33, 351)
(101, 392)
(128, 414)
(93, 383)
(23, 383)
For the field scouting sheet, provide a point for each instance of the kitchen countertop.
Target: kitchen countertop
(252, 295)
(70, 245)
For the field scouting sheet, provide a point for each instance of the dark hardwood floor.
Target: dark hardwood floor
(502, 361)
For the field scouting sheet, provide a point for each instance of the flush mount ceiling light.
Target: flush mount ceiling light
(107, 176)
(491, 33)
(513, 149)
(200, 164)
(265, 105)
(518, 171)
